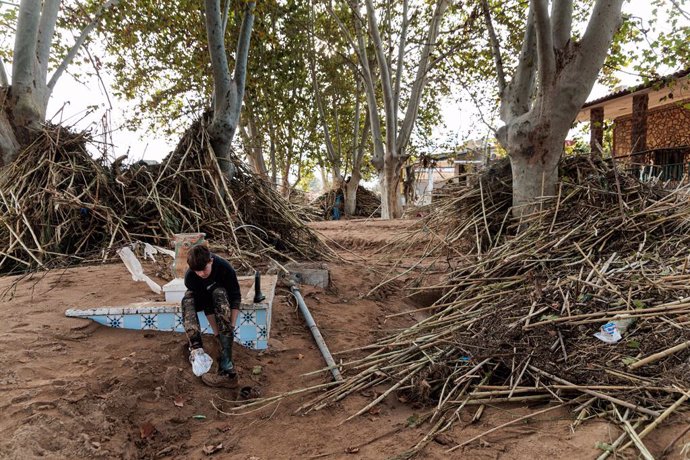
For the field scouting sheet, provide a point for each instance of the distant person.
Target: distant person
(337, 206)
(212, 287)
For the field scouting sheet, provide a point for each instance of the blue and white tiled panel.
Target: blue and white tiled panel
(251, 331)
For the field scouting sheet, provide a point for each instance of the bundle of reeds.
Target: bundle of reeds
(58, 205)
(368, 204)
(517, 317)
(56, 201)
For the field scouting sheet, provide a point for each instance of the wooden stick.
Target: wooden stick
(660, 355)
(652, 426)
(620, 402)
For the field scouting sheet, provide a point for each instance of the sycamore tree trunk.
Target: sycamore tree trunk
(390, 151)
(391, 199)
(9, 145)
(357, 160)
(535, 165)
(351, 193)
(228, 89)
(24, 99)
(540, 103)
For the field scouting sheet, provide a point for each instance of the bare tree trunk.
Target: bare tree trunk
(24, 103)
(535, 172)
(358, 156)
(228, 90)
(351, 193)
(562, 72)
(9, 146)
(391, 205)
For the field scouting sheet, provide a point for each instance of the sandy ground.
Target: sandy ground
(70, 388)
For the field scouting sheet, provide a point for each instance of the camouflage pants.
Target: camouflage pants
(221, 310)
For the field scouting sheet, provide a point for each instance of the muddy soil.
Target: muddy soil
(70, 388)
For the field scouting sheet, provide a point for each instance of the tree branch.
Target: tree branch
(80, 41)
(493, 40)
(681, 10)
(226, 13)
(603, 23)
(401, 58)
(243, 50)
(562, 18)
(357, 163)
(385, 76)
(420, 80)
(216, 48)
(516, 99)
(46, 29)
(369, 91)
(581, 73)
(343, 30)
(545, 53)
(330, 150)
(24, 55)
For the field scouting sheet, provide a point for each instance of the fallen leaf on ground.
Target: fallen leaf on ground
(146, 430)
(256, 370)
(212, 449)
(179, 401)
(443, 439)
(376, 410)
(352, 450)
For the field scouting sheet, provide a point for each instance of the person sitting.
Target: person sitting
(212, 287)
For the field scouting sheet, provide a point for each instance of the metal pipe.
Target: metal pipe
(317, 334)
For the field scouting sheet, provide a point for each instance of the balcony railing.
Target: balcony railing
(670, 166)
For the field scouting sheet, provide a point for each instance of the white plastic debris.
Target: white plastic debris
(135, 268)
(613, 331)
(201, 362)
(149, 251)
(167, 252)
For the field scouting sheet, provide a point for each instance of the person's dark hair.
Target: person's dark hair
(198, 257)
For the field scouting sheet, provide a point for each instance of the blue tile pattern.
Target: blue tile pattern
(252, 331)
(149, 321)
(115, 321)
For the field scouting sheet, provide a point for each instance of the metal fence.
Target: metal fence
(668, 165)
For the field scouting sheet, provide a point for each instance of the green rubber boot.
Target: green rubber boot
(225, 365)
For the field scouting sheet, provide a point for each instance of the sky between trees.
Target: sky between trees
(88, 103)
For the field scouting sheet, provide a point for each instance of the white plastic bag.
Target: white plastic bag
(201, 362)
(135, 268)
(612, 331)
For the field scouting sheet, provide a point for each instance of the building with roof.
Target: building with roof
(651, 125)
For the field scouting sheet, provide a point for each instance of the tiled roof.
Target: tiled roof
(650, 84)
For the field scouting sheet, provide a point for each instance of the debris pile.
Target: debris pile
(188, 192)
(368, 203)
(518, 318)
(56, 201)
(59, 205)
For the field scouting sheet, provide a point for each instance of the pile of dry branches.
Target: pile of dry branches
(517, 319)
(57, 202)
(368, 203)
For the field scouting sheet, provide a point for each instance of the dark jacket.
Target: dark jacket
(222, 275)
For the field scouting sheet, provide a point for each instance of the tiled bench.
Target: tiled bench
(253, 323)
